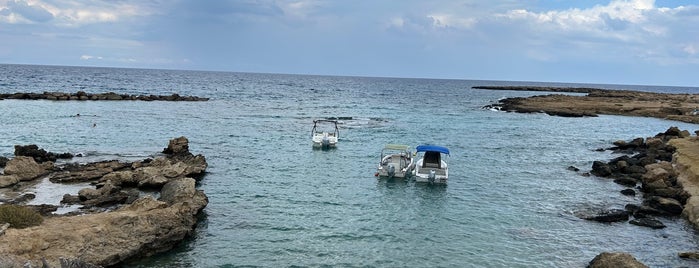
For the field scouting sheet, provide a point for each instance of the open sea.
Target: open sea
(277, 202)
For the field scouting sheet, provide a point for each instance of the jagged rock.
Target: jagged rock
(39, 155)
(25, 168)
(612, 215)
(648, 222)
(178, 190)
(615, 260)
(668, 205)
(601, 169)
(87, 172)
(177, 146)
(3, 161)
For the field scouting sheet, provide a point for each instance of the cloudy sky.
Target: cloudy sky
(589, 41)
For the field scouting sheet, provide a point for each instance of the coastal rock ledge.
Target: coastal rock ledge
(138, 228)
(84, 96)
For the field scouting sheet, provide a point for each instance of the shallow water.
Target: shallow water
(274, 201)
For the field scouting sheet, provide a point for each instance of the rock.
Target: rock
(573, 168)
(25, 168)
(689, 255)
(143, 228)
(648, 222)
(615, 260)
(43, 209)
(39, 155)
(628, 192)
(177, 146)
(21, 199)
(70, 199)
(8, 180)
(668, 205)
(178, 190)
(87, 172)
(626, 181)
(601, 169)
(612, 215)
(3, 161)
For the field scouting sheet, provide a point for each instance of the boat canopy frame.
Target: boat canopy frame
(334, 122)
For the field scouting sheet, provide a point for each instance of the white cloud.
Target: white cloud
(451, 21)
(69, 13)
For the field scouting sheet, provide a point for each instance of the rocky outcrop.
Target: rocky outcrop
(645, 162)
(678, 107)
(129, 224)
(83, 96)
(40, 155)
(23, 168)
(615, 260)
(143, 228)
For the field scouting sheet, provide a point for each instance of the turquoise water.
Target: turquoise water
(276, 202)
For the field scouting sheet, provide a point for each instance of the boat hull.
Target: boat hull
(431, 174)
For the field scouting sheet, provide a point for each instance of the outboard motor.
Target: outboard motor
(391, 171)
(325, 142)
(432, 176)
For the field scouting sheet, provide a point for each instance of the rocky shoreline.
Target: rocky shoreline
(119, 218)
(83, 96)
(664, 168)
(679, 107)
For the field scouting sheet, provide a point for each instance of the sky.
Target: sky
(634, 42)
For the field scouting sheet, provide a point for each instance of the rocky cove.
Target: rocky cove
(663, 168)
(133, 210)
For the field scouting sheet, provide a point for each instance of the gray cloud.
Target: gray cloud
(31, 12)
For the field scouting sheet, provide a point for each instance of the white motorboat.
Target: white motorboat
(396, 161)
(432, 167)
(325, 133)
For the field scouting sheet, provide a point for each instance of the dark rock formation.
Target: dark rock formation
(3, 161)
(109, 96)
(39, 155)
(648, 222)
(611, 215)
(615, 260)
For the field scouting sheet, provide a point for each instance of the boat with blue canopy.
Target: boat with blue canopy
(432, 166)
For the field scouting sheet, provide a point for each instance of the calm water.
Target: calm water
(276, 202)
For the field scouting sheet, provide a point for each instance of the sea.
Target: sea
(275, 201)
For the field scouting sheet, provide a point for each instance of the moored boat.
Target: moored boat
(395, 161)
(325, 133)
(432, 166)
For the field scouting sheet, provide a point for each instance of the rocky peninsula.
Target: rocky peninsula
(83, 96)
(116, 220)
(679, 107)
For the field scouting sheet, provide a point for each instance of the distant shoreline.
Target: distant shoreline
(541, 88)
(678, 107)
